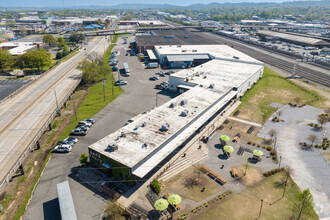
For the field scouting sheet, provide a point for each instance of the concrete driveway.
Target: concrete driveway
(139, 96)
(310, 169)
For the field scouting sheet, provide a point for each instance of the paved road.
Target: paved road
(22, 116)
(139, 96)
(310, 169)
(9, 86)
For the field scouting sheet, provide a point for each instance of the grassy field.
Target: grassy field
(274, 88)
(246, 205)
(176, 185)
(326, 155)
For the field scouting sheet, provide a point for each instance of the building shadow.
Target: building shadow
(166, 92)
(52, 210)
(75, 176)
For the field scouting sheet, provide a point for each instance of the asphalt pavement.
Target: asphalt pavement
(9, 86)
(139, 96)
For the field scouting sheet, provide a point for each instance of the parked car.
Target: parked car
(129, 121)
(65, 142)
(162, 74)
(78, 131)
(161, 86)
(114, 68)
(154, 78)
(73, 139)
(159, 72)
(120, 82)
(85, 123)
(90, 120)
(63, 148)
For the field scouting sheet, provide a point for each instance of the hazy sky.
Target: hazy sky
(45, 3)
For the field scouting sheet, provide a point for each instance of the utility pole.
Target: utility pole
(302, 207)
(57, 108)
(262, 201)
(286, 183)
(74, 107)
(279, 164)
(103, 84)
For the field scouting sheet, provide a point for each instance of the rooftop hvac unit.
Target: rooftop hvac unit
(137, 127)
(145, 145)
(165, 127)
(183, 50)
(144, 124)
(235, 57)
(184, 113)
(112, 147)
(204, 77)
(211, 86)
(200, 85)
(183, 101)
(173, 104)
(179, 45)
(194, 50)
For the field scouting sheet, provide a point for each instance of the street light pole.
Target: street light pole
(103, 84)
(279, 164)
(57, 108)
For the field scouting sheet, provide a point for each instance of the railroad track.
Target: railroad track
(286, 65)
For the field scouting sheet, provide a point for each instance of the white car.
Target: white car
(79, 131)
(73, 139)
(85, 123)
(64, 148)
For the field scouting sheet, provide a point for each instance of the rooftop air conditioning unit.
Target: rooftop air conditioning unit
(204, 76)
(235, 57)
(179, 45)
(194, 50)
(112, 147)
(173, 104)
(211, 86)
(145, 145)
(184, 113)
(165, 127)
(144, 124)
(183, 50)
(183, 101)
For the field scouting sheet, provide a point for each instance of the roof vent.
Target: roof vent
(112, 147)
(183, 50)
(179, 45)
(204, 77)
(211, 86)
(136, 127)
(184, 113)
(183, 101)
(194, 50)
(201, 85)
(144, 124)
(165, 127)
(145, 145)
(235, 57)
(173, 104)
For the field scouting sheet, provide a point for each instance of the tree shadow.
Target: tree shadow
(153, 215)
(252, 161)
(218, 146)
(223, 157)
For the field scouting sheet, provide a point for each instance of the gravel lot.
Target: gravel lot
(310, 169)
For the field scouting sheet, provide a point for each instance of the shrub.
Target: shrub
(156, 185)
(304, 144)
(273, 152)
(83, 159)
(258, 145)
(269, 148)
(311, 124)
(316, 125)
(253, 144)
(324, 148)
(249, 142)
(274, 157)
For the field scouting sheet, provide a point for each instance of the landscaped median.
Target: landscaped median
(91, 104)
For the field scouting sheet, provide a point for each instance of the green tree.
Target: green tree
(98, 21)
(17, 62)
(322, 119)
(5, 57)
(36, 59)
(114, 211)
(49, 39)
(66, 48)
(303, 205)
(83, 159)
(76, 37)
(60, 42)
(90, 71)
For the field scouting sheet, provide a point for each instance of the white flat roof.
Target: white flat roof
(202, 101)
(218, 51)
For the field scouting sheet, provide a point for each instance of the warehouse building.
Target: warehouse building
(19, 48)
(170, 37)
(305, 41)
(138, 149)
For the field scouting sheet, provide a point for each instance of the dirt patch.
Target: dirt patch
(252, 177)
(178, 185)
(18, 188)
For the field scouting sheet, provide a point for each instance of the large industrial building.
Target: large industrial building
(137, 149)
(19, 48)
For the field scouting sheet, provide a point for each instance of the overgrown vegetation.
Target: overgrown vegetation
(156, 186)
(274, 88)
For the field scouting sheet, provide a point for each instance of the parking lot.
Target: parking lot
(139, 96)
(7, 87)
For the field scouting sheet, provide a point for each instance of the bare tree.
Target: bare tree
(272, 133)
(94, 57)
(322, 119)
(312, 138)
(190, 182)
